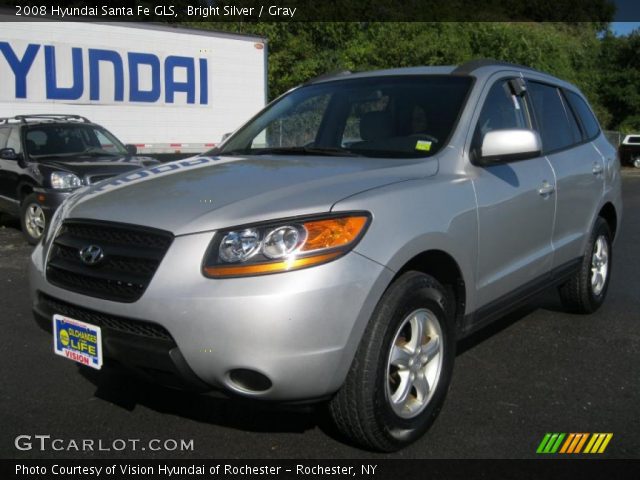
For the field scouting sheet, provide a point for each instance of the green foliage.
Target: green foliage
(606, 69)
(619, 88)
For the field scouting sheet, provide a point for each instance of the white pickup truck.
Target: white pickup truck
(630, 150)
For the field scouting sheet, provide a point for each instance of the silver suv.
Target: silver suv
(336, 247)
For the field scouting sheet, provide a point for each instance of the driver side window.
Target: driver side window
(501, 110)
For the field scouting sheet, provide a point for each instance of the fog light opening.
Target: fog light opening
(249, 380)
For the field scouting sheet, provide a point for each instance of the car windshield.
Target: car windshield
(383, 116)
(70, 140)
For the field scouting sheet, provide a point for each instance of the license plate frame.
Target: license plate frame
(77, 341)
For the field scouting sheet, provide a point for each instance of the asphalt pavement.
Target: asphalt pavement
(537, 371)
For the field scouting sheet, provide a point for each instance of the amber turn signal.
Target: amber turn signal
(332, 232)
(272, 267)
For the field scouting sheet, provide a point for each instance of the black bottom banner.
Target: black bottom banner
(289, 469)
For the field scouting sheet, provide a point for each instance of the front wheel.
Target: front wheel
(32, 219)
(402, 369)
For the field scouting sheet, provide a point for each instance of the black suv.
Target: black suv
(43, 158)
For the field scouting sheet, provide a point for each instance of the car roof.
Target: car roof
(479, 68)
(45, 118)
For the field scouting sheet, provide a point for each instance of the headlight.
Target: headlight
(65, 180)
(282, 246)
(239, 246)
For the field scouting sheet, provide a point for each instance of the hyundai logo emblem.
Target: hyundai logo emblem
(91, 254)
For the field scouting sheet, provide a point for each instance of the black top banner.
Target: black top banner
(600, 11)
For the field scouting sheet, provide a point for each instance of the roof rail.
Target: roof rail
(43, 116)
(324, 76)
(468, 67)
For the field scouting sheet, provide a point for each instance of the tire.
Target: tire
(364, 410)
(582, 293)
(33, 220)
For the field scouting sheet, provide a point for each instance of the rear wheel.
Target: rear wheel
(587, 288)
(32, 219)
(402, 369)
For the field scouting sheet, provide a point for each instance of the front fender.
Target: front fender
(409, 218)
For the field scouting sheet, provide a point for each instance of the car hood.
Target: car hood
(86, 167)
(209, 193)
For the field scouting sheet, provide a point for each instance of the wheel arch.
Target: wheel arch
(608, 212)
(25, 187)
(442, 266)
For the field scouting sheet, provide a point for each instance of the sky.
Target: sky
(624, 28)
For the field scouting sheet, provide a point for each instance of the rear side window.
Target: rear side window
(4, 136)
(589, 122)
(551, 116)
(573, 122)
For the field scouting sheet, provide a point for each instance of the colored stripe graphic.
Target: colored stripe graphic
(598, 442)
(574, 442)
(581, 443)
(550, 443)
(567, 443)
(543, 443)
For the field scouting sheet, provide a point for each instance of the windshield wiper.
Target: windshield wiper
(97, 154)
(45, 156)
(332, 152)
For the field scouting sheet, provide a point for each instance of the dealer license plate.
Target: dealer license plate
(77, 341)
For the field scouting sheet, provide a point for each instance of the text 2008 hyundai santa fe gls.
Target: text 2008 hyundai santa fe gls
(337, 245)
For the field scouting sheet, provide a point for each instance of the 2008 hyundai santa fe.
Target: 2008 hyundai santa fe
(336, 247)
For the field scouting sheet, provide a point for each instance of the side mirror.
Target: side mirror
(499, 146)
(9, 154)
(131, 149)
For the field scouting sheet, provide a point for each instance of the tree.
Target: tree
(620, 80)
(605, 68)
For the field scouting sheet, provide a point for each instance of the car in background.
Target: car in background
(43, 158)
(630, 150)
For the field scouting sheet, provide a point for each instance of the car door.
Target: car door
(4, 136)
(515, 205)
(8, 173)
(578, 167)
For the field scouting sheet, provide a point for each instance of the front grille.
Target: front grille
(103, 320)
(131, 257)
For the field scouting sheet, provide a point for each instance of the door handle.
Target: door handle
(546, 189)
(597, 168)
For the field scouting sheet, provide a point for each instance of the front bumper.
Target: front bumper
(300, 329)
